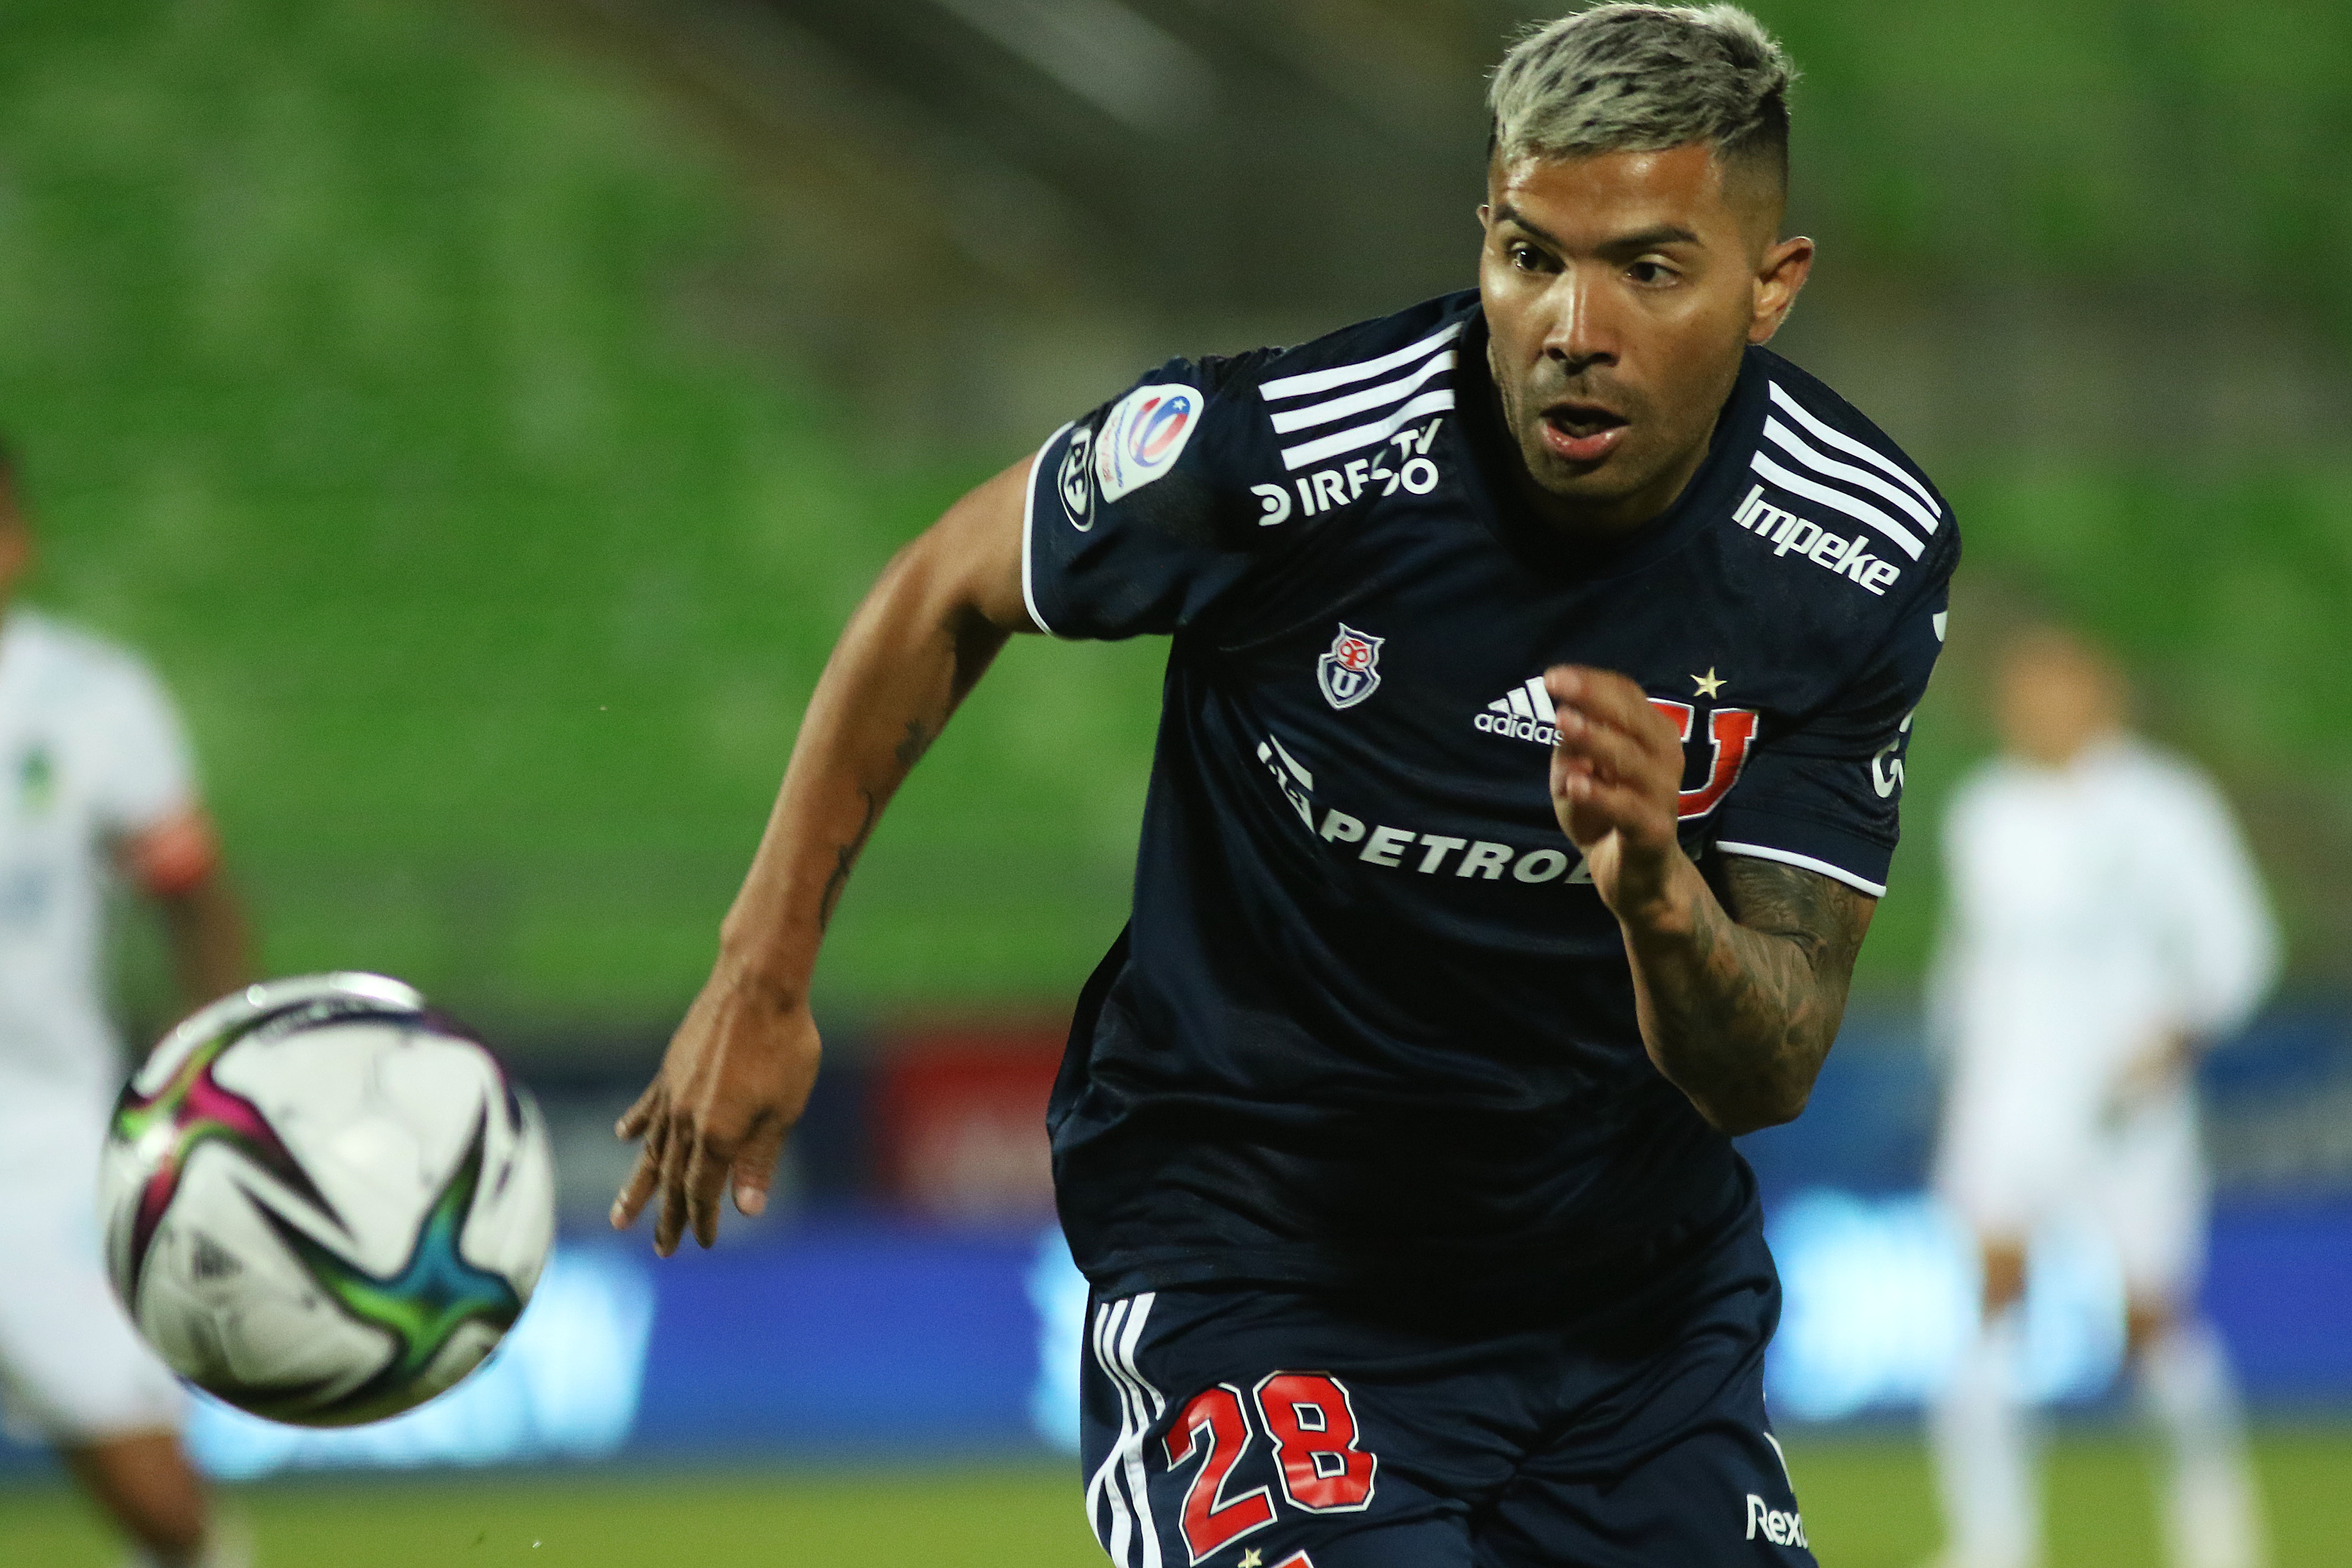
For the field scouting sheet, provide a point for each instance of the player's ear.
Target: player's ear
(1780, 276)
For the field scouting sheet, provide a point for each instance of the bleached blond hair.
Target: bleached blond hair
(1624, 77)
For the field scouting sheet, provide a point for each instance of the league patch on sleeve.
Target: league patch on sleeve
(1142, 436)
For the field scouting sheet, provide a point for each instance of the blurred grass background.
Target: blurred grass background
(485, 416)
(1868, 1505)
(348, 389)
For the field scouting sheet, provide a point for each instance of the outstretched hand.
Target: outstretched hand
(732, 1084)
(1616, 783)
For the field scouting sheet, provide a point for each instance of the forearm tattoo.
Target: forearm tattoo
(908, 751)
(1743, 1021)
(912, 745)
(844, 855)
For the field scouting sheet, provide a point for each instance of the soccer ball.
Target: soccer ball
(323, 1202)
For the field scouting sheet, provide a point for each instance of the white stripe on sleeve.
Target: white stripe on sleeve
(1314, 381)
(1387, 392)
(1833, 437)
(1795, 446)
(1370, 435)
(1860, 510)
(1791, 857)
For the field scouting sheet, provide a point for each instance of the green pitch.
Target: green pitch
(1866, 1505)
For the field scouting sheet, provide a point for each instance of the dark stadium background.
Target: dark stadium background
(485, 413)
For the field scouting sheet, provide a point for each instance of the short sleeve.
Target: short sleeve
(1142, 516)
(1826, 794)
(143, 772)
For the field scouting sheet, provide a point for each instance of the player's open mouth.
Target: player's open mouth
(1582, 432)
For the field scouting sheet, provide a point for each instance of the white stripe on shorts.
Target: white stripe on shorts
(1102, 1487)
(1118, 1330)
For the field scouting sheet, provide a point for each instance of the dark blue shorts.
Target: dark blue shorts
(1250, 1427)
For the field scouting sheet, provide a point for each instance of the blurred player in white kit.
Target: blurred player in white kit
(2106, 926)
(96, 781)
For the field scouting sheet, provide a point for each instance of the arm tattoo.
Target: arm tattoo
(913, 744)
(908, 751)
(1743, 1020)
(844, 855)
(1821, 915)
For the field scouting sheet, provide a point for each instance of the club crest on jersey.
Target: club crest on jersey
(1351, 670)
(1142, 436)
(1072, 484)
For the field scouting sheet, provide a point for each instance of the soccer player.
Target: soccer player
(2106, 926)
(1540, 665)
(94, 782)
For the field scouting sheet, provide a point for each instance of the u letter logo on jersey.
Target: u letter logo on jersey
(1729, 733)
(1351, 670)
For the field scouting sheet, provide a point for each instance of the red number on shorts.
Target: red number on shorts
(1313, 1426)
(1214, 1422)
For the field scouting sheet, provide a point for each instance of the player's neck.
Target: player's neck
(1606, 522)
(2062, 758)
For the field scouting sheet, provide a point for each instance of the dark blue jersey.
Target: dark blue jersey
(1369, 1021)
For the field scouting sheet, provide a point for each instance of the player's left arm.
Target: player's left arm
(2223, 942)
(177, 863)
(1740, 987)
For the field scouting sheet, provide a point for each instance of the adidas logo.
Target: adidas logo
(1524, 713)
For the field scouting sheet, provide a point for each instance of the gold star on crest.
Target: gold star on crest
(1707, 684)
(1252, 1558)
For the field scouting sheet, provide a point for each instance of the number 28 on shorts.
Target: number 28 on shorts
(1312, 1425)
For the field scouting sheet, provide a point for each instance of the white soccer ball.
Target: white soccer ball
(323, 1202)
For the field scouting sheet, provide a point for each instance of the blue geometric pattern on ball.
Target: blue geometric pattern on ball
(436, 1293)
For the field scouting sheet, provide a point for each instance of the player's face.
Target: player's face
(1619, 291)
(2054, 697)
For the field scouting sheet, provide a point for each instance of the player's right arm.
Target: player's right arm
(151, 818)
(739, 1070)
(176, 862)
